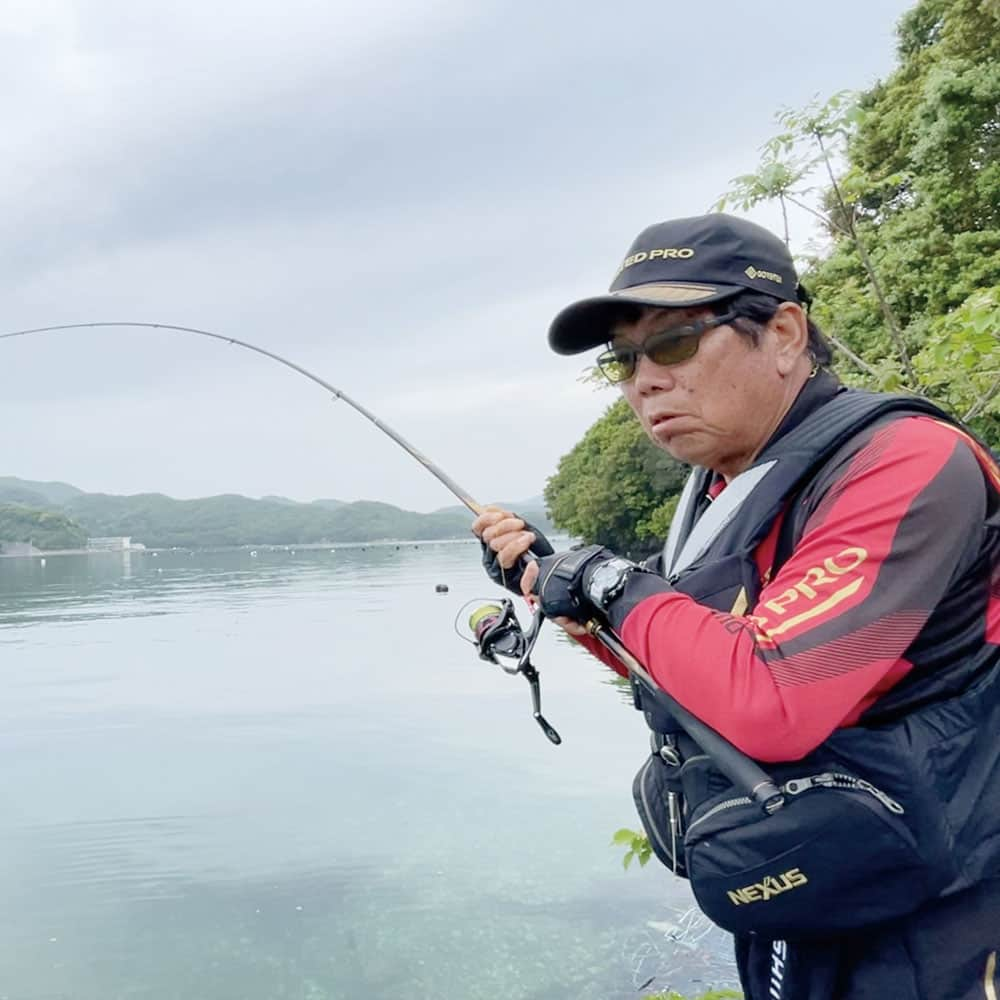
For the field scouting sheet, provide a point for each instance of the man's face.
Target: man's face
(716, 409)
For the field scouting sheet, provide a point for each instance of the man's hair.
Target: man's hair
(756, 310)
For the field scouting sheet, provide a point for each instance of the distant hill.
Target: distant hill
(159, 521)
(22, 495)
(329, 504)
(57, 493)
(532, 510)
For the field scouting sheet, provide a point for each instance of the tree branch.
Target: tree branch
(844, 349)
(979, 405)
(887, 313)
(825, 219)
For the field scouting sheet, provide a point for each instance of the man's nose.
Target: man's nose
(650, 376)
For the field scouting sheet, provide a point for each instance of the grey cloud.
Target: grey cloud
(536, 93)
(395, 196)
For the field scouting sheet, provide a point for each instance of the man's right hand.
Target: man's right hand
(506, 540)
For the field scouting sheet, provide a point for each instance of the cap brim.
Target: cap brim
(588, 323)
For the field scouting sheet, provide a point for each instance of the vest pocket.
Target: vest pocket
(660, 804)
(839, 855)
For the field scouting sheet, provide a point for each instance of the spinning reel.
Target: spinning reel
(500, 639)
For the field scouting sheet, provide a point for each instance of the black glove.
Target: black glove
(564, 581)
(511, 578)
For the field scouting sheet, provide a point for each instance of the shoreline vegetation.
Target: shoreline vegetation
(54, 517)
(252, 547)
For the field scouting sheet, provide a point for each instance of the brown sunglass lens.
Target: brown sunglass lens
(674, 349)
(619, 363)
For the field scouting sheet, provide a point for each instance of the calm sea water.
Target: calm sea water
(282, 774)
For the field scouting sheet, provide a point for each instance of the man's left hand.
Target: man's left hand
(559, 582)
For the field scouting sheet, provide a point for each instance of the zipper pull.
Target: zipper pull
(675, 826)
(796, 786)
(891, 804)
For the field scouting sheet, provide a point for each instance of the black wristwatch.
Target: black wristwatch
(608, 581)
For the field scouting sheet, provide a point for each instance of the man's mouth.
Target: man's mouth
(657, 419)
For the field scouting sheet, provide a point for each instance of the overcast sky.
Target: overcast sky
(398, 196)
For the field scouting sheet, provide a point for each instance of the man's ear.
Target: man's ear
(790, 328)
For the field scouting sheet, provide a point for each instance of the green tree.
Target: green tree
(914, 217)
(45, 529)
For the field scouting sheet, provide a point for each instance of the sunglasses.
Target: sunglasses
(669, 347)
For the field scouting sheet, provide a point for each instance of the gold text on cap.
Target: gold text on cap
(661, 253)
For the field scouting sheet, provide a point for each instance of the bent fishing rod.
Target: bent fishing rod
(498, 635)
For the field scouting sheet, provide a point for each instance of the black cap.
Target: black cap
(681, 263)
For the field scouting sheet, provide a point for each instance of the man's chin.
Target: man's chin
(678, 445)
(687, 449)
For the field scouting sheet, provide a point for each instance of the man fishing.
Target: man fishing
(828, 600)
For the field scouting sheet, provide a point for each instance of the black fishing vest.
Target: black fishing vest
(942, 759)
(711, 557)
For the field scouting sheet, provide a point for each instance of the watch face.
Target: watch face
(604, 579)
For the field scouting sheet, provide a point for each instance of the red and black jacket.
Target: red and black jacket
(851, 605)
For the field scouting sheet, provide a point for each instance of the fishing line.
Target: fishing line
(433, 469)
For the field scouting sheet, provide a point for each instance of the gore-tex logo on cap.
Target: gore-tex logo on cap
(753, 272)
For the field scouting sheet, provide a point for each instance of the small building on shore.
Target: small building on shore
(113, 543)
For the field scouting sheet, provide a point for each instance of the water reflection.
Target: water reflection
(111, 584)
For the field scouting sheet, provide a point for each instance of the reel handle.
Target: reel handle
(498, 637)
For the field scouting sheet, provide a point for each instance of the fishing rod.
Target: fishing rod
(498, 634)
(433, 469)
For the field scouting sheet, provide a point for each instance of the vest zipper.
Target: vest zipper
(796, 786)
(670, 850)
(829, 779)
(743, 800)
